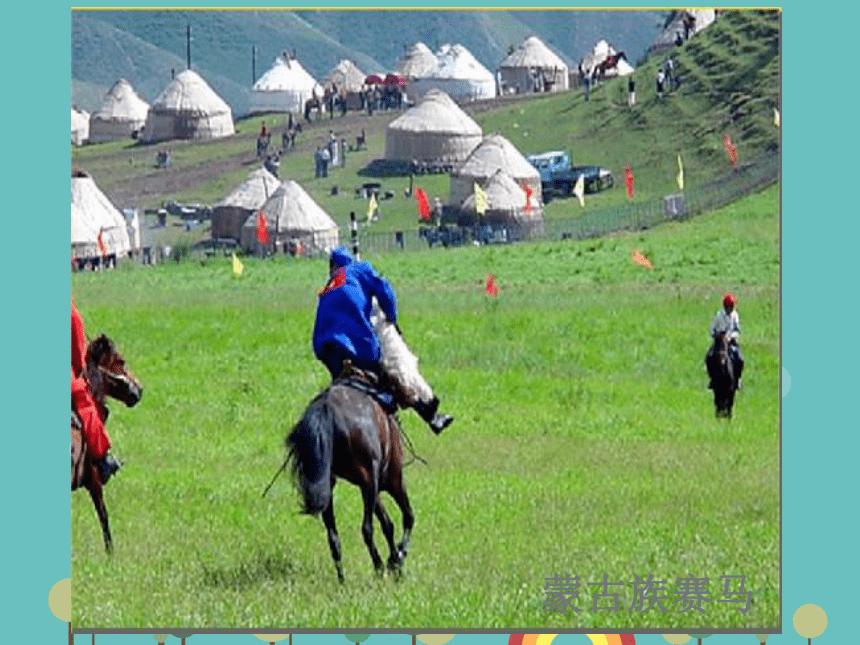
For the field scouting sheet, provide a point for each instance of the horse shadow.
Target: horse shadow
(261, 568)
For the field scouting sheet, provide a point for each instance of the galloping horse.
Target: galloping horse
(346, 433)
(722, 373)
(107, 375)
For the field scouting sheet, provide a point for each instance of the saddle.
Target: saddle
(369, 383)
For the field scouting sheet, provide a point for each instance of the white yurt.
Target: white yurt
(345, 76)
(436, 131)
(293, 218)
(284, 88)
(506, 206)
(80, 126)
(458, 74)
(122, 114)
(495, 153)
(532, 67)
(348, 79)
(416, 63)
(231, 213)
(93, 213)
(188, 109)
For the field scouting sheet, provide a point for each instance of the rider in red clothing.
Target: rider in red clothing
(92, 417)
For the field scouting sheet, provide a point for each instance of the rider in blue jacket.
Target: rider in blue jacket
(343, 329)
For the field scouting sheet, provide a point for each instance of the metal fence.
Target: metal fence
(744, 180)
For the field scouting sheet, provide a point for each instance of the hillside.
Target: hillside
(143, 46)
(731, 84)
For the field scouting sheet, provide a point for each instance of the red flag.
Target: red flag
(638, 258)
(423, 204)
(101, 243)
(731, 150)
(529, 192)
(491, 288)
(628, 179)
(262, 229)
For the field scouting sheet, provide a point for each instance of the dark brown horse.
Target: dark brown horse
(346, 433)
(722, 373)
(107, 375)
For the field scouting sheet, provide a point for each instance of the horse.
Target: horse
(346, 433)
(722, 372)
(107, 375)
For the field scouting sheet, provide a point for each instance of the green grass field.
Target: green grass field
(584, 443)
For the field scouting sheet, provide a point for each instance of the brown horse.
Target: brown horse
(346, 433)
(107, 375)
(722, 372)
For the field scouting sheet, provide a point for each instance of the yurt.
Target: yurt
(495, 153)
(604, 60)
(506, 206)
(348, 80)
(122, 114)
(80, 126)
(458, 74)
(188, 109)
(295, 220)
(231, 213)
(284, 88)
(417, 63)
(436, 131)
(93, 214)
(532, 67)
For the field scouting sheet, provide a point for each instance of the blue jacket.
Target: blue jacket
(343, 311)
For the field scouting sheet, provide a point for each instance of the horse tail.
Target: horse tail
(310, 446)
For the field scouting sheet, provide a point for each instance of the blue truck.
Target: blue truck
(558, 175)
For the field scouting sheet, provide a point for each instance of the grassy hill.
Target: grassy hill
(143, 46)
(731, 84)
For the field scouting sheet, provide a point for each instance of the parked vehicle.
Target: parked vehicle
(558, 175)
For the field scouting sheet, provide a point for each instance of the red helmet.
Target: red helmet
(729, 300)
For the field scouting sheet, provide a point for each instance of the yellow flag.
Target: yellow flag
(680, 173)
(237, 265)
(480, 200)
(776, 117)
(579, 190)
(371, 206)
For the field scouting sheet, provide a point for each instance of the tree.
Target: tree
(762, 638)
(60, 602)
(810, 621)
(160, 637)
(357, 638)
(435, 639)
(182, 636)
(677, 639)
(274, 638)
(701, 637)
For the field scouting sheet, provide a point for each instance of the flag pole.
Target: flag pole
(354, 235)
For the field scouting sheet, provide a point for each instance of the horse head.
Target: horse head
(108, 373)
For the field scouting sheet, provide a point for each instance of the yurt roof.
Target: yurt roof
(290, 208)
(532, 52)
(503, 193)
(122, 103)
(419, 61)
(189, 93)
(436, 113)
(457, 62)
(93, 212)
(253, 192)
(493, 153)
(346, 76)
(286, 74)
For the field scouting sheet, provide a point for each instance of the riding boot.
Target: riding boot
(428, 412)
(108, 467)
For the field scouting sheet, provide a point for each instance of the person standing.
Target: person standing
(631, 92)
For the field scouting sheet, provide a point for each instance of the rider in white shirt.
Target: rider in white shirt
(727, 320)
